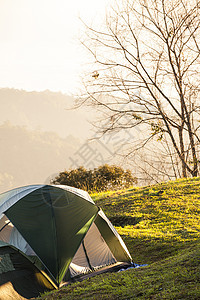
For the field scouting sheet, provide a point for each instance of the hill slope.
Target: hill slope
(161, 227)
(29, 157)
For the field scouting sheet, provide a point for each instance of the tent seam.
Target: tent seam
(55, 236)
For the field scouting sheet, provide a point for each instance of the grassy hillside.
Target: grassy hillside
(160, 225)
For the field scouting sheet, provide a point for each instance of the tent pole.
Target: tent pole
(88, 261)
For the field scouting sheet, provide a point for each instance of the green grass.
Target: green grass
(160, 225)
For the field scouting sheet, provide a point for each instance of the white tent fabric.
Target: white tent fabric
(98, 253)
(17, 240)
(9, 234)
(76, 191)
(101, 213)
(76, 270)
(79, 264)
(5, 229)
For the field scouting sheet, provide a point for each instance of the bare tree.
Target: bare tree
(146, 73)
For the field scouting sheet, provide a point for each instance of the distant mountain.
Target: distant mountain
(40, 137)
(47, 111)
(28, 157)
(33, 156)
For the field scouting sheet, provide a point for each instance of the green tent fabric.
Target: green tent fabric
(60, 231)
(50, 220)
(19, 278)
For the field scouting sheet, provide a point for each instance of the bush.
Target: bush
(102, 178)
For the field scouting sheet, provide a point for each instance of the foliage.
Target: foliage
(164, 234)
(102, 178)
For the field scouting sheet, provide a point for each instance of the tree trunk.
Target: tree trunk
(182, 152)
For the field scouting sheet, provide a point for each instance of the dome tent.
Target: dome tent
(54, 233)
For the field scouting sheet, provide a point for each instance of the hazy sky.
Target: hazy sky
(39, 46)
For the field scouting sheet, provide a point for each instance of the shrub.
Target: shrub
(99, 179)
